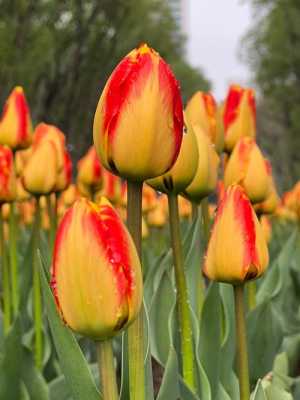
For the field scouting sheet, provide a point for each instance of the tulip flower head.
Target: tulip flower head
(205, 178)
(96, 272)
(247, 167)
(239, 115)
(201, 110)
(64, 177)
(138, 123)
(90, 175)
(184, 169)
(15, 122)
(7, 175)
(237, 249)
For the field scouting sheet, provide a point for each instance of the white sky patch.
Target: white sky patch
(215, 28)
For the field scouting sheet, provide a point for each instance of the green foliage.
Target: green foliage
(271, 51)
(62, 52)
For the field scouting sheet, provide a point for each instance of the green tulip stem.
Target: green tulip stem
(195, 211)
(37, 300)
(241, 343)
(205, 218)
(52, 212)
(251, 286)
(184, 316)
(5, 278)
(136, 329)
(107, 372)
(13, 258)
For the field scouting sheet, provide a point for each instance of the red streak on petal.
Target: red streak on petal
(68, 166)
(232, 102)
(114, 242)
(244, 216)
(22, 115)
(127, 79)
(245, 146)
(268, 167)
(169, 88)
(252, 104)
(210, 104)
(97, 168)
(6, 167)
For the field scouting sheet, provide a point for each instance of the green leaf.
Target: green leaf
(58, 389)
(211, 337)
(72, 361)
(11, 363)
(169, 387)
(35, 384)
(259, 393)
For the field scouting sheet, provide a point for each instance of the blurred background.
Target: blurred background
(62, 53)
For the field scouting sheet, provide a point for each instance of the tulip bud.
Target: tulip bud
(237, 250)
(201, 110)
(205, 178)
(22, 194)
(45, 132)
(239, 115)
(7, 175)
(69, 195)
(158, 216)
(184, 169)
(96, 272)
(89, 172)
(246, 166)
(40, 172)
(15, 122)
(149, 199)
(138, 122)
(184, 207)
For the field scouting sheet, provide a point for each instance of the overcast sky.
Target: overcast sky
(215, 28)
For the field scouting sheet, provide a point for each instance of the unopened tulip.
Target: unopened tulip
(201, 110)
(65, 175)
(7, 175)
(149, 199)
(184, 169)
(89, 172)
(205, 178)
(15, 122)
(184, 207)
(239, 115)
(237, 250)
(159, 215)
(22, 194)
(45, 132)
(96, 272)
(40, 172)
(246, 166)
(69, 195)
(139, 120)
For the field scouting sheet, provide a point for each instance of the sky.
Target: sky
(214, 29)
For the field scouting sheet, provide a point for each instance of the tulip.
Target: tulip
(7, 175)
(22, 194)
(40, 172)
(90, 175)
(184, 169)
(239, 115)
(149, 200)
(185, 207)
(159, 215)
(15, 122)
(138, 123)
(96, 272)
(246, 166)
(69, 195)
(45, 132)
(201, 110)
(237, 250)
(205, 178)
(266, 228)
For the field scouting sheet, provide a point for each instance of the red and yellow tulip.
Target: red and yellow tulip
(237, 249)
(138, 123)
(15, 122)
(97, 284)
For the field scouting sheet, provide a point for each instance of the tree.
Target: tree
(62, 52)
(271, 48)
